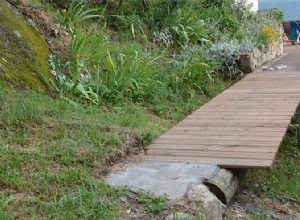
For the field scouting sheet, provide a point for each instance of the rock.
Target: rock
(124, 200)
(274, 51)
(23, 52)
(247, 63)
(267, 68)
(250, 61)
(280, 67)
(179, 215)
(209, 205)
(160, 178)
(266, 54)
(257, 57)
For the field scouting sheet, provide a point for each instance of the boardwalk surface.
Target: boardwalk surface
(240, 128)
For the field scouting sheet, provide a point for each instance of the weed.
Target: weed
(77, 13)
(154, 204)
(259, 216)
(4, 201)
(19, 112)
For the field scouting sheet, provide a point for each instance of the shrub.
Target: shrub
(227, 54)
(191, 72)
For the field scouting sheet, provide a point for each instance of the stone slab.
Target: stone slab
(160, 178)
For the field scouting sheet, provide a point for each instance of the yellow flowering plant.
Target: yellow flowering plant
(270, 33)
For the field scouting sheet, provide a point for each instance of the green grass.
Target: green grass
(53, 155)
(282, 182)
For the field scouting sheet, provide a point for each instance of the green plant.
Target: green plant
(270, 183)
(192, 70)
(129, 74)
(87, 49)
(78, 13)
(259, 216)
(186, 27)
(4, 202)
(20, 112)
(154, 204)
(228, 55)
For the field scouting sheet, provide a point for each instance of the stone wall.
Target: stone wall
(257, 57)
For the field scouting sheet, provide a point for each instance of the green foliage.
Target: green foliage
(77, 13)
(4, 201)
(20, 112)
(189, 30)
(227, 54)
(287, 162)
(52, 168)
(95, 71)
(154, 204)
(193, 70)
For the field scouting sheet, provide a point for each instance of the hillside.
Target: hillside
(124, 73)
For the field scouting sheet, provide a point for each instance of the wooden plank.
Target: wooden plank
(234, 116)
(247, 110)
(224, 132)
(215, 154)
(212, 148)
(229, 95)
(231, 129)
(226, 162)
(215, 142)
(224, 98)
(252, 105)
(255, 102)
(232, 124)
(220, 137)
(270, 91)
(237, 120)
(220, 112)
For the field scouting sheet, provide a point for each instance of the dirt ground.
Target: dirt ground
(246, 205)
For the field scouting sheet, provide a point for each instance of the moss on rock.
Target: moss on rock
(23, 53)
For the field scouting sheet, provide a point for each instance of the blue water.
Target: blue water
(291, 8)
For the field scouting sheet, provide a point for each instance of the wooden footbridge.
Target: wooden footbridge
(242, 127)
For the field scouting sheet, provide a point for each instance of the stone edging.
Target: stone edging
(248, 62)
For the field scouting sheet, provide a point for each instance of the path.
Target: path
(240, 128)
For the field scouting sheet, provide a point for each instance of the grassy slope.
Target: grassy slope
(53, 156)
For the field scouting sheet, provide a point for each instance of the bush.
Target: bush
(228, 55)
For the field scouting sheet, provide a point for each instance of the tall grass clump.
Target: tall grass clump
(19, 111)
(97, 71)
(137, 50)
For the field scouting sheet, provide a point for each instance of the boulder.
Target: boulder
(247, 63)
(23, 52)
(209, 205)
